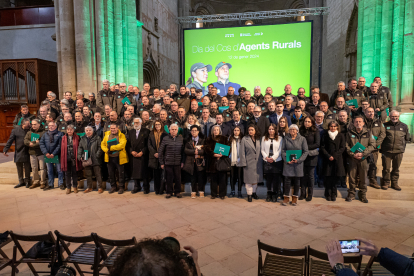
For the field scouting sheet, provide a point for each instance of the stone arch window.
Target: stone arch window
(204, 8)
(294, 4)
(151, 72)
(351, 44)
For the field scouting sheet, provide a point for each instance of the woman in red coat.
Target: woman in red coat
(69, 159)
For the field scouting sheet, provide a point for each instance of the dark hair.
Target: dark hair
(162, 125)
(232, 134)
(149, 257)
(333, 123)
(256, 134)
(279, 102)
(182, 86)
(267, 132)
(200, 134)
(199, 90)
(286, 130)
(304, 131)
(377, 78)
(242, 89)
(210, 84)
(356, 117)
(298, 108)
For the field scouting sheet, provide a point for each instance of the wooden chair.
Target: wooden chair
(30, 261)
(85, 254)
(119, 245)
(5, 261)
(322, 266)
(280, 261)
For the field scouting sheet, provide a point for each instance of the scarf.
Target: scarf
(157, 136)
(332, 135)
(235, 150)
(195, 139)
(51, 135)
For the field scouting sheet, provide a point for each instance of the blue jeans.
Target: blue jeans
(51, 174)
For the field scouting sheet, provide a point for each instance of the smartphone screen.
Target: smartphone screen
(349, 246)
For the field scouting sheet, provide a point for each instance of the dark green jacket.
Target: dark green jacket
(364, 138)
(377, 129)
(396, 137)
(35, 149)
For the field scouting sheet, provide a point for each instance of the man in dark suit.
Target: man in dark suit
(275, 117)
(225, 129)
(237, 121)
(137, 149)
(260, 121)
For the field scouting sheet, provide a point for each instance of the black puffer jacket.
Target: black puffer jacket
(171, 151)
(93, 146)
(313, 140)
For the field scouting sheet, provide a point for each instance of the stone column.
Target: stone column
(67, 45)
(408, 55)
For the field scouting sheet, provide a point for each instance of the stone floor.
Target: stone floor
(225, 232)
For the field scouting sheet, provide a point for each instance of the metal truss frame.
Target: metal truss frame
(253, 15)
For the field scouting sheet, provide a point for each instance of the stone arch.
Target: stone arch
(151, 72)
(351, 44)
(203, 8)
(295, 4)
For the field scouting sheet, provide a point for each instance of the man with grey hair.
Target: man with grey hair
(52, 100)
(123, 98)
(289, 108)
(258, 98)
(43, 110)
(128, 120)
(68, 96)
(340, 92)
(67, 120)
(80, 96)
(392, 148)
(138, 156)
(92, 102)
(104, 97)
(23, 114)
(362, 87)
(155, 114)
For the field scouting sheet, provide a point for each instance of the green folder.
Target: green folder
(34, 137)
(353, 102)
(86, 155)
(223, 108)
(81, 134)
(289, 153)
(126, 100)
(20, 121)
(358, 148)
(180, 130)
(54, 160)
(388, 111)
(222, 149)
(112, 142)
(376, 138)
(200, 103)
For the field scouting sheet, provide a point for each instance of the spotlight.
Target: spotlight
(248, 23)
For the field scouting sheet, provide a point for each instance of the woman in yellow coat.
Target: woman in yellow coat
(113, 144)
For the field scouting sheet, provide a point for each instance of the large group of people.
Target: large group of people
(172, 136)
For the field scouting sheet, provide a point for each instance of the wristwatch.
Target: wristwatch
(337, 268)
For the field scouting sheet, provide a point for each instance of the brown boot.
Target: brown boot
(68, 191)
(100, 191)
(42, 186)
(75, 190)
(87, 190)
(34, 186)
(294, 200)
(285, 200)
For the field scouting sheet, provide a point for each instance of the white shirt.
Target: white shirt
(137, 134)
(97, 126)
(279, 116)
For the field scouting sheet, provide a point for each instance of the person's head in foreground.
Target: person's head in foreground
(157, 257)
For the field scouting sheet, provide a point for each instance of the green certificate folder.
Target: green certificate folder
(166, 129)
(291, 153)
(200, 103)
(223, 108)
(180, 130)
(376, 138)
(388, 111)
(20, 121)
(222, 149)
(358, 148)
(34, 137)
(126, 100)
(352, 102)
(81, 134)
(54, 160)
(112, 142)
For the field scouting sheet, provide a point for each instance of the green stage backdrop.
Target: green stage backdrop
(270, 55)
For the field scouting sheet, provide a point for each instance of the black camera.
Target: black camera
(66, 270)
(174, 244)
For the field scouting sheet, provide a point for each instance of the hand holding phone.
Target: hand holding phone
(349, 246)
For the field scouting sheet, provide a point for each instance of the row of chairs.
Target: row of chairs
(93, 250)
(309, 262)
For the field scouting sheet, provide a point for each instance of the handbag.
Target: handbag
(41, 250)
(223, 164)
(87, 163)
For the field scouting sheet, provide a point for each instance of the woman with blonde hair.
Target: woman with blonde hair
(189, 122)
